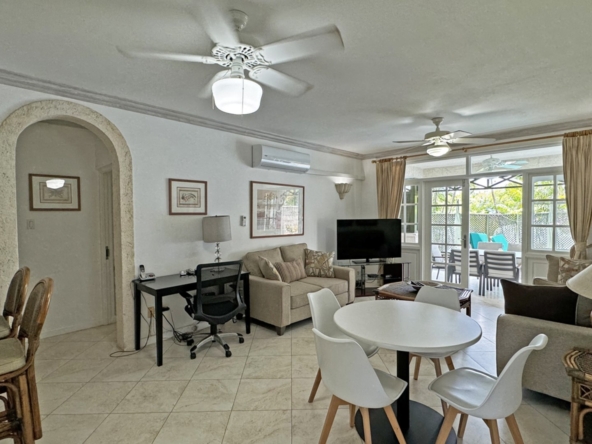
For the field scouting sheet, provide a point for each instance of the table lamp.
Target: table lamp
(581, 283)
(216, 229)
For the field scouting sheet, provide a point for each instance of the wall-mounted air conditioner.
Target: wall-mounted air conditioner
(278, 159)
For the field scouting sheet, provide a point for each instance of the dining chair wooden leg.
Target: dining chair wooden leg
(462, 425)
(333, 406)
(493, 431)
(447, 425)
(315, 386)
(417, 367)
(514, 430)
(33, 396)
(352, 415)
(436, 362)
(367, 429)
(449, 362)
(394, 424)
(26, 420)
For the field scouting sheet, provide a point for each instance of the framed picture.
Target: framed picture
(187, 197)
(48, 192)
(276, 210)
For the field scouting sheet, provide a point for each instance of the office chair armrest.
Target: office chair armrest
(270, 301)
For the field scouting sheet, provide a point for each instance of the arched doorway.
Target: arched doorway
(10, 129)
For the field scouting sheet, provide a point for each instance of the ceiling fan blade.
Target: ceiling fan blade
(321, 40)
(216, 20)
(408, 141)
(471, 140)
(428, 142)
(510, 166)
(163, 55)
(517, 162)
(280, 81)
(206, 91)
(456, 135)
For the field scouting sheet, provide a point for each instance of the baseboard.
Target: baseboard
(70, 329)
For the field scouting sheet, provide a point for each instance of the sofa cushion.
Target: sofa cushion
(552, 268)
(268, 270)
(251, 260)
(583, 312)
(4, 327)
(12, 355)
(550, 303)
(337, 286)
(568, 268)
(319, 263)
(293, 252)
(290, 271)
(299, 293)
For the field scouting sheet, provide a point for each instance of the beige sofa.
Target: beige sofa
(281, 304)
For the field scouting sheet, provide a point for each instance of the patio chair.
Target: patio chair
(499, 265)
(475, 267)
(438, 262)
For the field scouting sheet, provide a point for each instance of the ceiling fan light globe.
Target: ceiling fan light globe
(438, 150)
(237, 95)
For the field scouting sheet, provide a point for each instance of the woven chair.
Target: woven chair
(15, 301)
(17, 368)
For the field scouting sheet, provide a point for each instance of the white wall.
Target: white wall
(163, 149)
(64, 245)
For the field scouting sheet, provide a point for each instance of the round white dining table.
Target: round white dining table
(407, 327)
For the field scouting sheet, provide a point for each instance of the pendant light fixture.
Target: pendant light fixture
(235, 94)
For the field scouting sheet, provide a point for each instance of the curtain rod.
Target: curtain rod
(390, 159)
(532, 139)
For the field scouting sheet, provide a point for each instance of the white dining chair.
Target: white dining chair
(499, 265)
(474, 393)
(353, 381)
(443, 297)
(323, 305)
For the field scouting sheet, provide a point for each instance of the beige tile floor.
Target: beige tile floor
(259, 395)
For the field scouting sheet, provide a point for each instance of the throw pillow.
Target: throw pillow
(550, 303)
(568, 268)
(553, 268)
(319, 263)
(290, 271)
(268, 270)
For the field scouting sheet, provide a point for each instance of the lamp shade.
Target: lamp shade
(216, 229)
(237, 95)
(438, 149)
(581, 283)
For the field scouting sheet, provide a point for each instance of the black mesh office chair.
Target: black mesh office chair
(216, 309)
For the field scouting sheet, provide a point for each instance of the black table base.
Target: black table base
(424, 425)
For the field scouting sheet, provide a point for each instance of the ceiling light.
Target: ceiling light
(439, 149)
(237, 95)
(54, 184)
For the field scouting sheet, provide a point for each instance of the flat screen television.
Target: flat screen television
(368, 238)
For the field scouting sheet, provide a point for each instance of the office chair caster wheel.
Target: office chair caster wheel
(190, 342)
(226, 347)
(192, 355)
(241, 340)
(228, 353)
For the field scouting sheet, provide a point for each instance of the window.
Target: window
(408, 215)
(549, 221)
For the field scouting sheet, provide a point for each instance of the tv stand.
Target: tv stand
(395, 270)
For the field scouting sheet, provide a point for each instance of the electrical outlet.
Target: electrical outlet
(151, 312)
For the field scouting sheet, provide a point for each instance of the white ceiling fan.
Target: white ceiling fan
(232, 92)
(493, 163)
(439, 141)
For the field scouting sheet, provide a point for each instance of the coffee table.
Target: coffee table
(407, 327)
(402, 291)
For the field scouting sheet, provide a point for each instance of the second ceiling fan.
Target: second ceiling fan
(439, 141)
(232, 92)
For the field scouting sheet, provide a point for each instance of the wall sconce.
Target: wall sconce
(343, 189)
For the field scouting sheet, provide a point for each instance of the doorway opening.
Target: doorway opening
(65, 230)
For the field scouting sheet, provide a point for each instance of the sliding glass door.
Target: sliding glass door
(446, 228)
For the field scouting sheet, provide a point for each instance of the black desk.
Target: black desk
(173, 284)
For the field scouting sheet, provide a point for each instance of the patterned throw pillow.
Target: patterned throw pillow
(568, 268)
(319, 263)
(268, 270)
(290, 271)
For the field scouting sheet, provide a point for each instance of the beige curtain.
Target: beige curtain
(390, 182)
(577, 171)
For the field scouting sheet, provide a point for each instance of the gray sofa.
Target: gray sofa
(281, 304)
(544, 371)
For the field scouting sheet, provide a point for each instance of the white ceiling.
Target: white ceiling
(485, 66)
